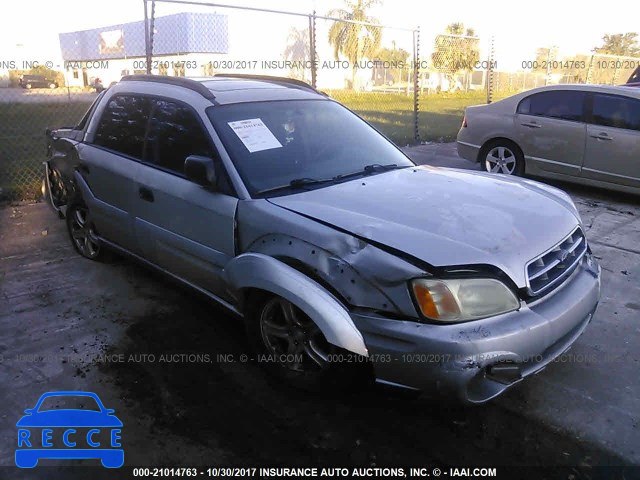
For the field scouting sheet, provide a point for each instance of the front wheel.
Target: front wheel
(82, 231)
(502, 157)
(293, 348)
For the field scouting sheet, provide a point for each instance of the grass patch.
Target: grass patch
(439, 118)
(23, 142)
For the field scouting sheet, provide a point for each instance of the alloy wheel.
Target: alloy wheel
(292, 337)
(501, 160)
(82, 233)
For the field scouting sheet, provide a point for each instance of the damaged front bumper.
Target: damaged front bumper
(478, 360)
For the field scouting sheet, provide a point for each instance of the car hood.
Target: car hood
(69, 418)
(446, 217)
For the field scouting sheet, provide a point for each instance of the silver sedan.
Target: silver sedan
(588, 134)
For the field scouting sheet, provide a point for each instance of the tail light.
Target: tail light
(464, 122)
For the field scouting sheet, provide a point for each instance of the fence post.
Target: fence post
(490, 71)
(590, 70)
(151, 33)
(146, 36)
(312, 47)
(416, 84)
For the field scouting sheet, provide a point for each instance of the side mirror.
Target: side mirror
(200, 170)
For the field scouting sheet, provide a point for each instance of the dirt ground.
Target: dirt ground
(170, 363)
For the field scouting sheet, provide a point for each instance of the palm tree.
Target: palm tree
(298, 50)
(353, 40)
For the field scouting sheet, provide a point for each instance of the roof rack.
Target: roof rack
(177, 81)
(267, 78)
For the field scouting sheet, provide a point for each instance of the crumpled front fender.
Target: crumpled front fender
(254, 270)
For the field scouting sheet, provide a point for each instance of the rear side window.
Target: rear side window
(562, 104)
(123, 125)
(635, 76)
(616, 111)
(175, 133)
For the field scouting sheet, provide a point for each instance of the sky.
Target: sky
(567, 24)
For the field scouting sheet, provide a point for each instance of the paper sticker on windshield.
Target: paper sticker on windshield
(255, 135)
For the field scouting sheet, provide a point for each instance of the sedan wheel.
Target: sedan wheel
(502, 156)
(292, 338)
(500, 160)
(82, 232)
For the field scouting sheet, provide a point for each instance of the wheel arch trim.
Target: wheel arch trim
(262, 272)
(495, 138)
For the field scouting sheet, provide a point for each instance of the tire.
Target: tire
(82, 232)
(502, 156)
(28, 86)
(293, 349)
(58, 188)
(52, 86)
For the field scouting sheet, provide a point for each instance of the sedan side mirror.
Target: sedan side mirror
(200, 170)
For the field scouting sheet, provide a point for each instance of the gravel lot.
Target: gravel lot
(153, 352)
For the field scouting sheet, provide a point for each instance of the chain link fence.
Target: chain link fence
(411, 85)
(552, 66)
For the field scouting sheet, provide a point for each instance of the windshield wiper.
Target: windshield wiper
(297, 183)
(368, 170)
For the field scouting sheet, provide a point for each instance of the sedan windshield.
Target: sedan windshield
(283, 146)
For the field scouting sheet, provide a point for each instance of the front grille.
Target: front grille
(553, 266)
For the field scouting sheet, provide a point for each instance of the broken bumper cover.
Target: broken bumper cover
(478, 360)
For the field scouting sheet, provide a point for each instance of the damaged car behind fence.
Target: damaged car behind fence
(335, 248)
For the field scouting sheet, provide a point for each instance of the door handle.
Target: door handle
(145, 194)
(531, 125)
(602, 136)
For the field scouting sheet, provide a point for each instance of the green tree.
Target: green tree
(353, 40)
(298, 50)
(396, 55)
(397, 58)
(625, 44)
(573, 69)
(457, 50)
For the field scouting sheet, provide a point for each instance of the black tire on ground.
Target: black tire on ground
(502, 156)
(82, 232)
(290, 346)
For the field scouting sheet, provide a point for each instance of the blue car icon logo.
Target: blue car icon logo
(53, 429)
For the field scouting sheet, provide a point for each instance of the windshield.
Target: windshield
(69, 402)
(292, 144)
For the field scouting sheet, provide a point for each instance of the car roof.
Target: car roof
(227, 89)
(613, 89)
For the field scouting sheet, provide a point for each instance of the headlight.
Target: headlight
(463, 299)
